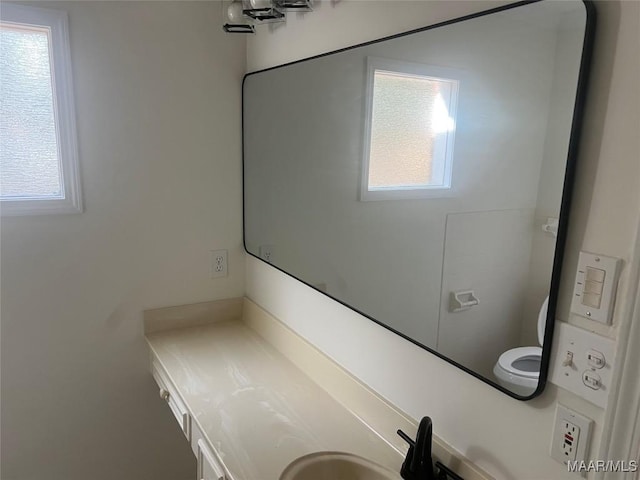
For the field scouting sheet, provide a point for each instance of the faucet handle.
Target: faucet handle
(406, 438)
(405, 470)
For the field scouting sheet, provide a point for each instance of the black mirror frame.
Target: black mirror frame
(565, 205)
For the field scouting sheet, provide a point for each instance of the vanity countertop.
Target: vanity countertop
(256, 408)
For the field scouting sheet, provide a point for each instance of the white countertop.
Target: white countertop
(256, 408)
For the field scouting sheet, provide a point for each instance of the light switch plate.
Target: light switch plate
(595, 287)
(582, 362)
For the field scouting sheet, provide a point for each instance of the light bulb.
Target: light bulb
(234, 12)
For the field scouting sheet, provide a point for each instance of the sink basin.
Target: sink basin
(336, 466)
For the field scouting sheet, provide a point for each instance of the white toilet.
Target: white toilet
(518, 369)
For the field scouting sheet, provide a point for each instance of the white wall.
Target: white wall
(552, 174)
(604, 219)
(495, 265)
(157, 88)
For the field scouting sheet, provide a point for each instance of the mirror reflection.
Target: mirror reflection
(419, 180)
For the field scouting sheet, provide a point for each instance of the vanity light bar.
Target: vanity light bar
(241, 16)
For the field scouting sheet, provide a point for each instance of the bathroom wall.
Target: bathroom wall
(550, 186)
(157, 90)
(476, 419)
(496, 265)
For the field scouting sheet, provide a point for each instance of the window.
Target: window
(410, 128)
(38, 150)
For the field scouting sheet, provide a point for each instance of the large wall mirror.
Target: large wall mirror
(424, 180)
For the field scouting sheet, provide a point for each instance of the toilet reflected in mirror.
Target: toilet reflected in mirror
(518, 369)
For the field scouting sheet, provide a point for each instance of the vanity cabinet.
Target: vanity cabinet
(208, 465)
(249, 411)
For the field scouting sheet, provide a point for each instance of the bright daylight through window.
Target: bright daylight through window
(38, 153)
(410, 131)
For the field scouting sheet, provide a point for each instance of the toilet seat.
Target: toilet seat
(518, 380)
(508, 358)
(542, 320)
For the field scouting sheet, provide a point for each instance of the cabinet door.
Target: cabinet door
(208, 466)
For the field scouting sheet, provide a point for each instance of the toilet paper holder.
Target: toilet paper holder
(462, 300)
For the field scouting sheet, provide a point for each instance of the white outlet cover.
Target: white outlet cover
(581, 439)
(266, 253)
(219, 263)
(581, 343)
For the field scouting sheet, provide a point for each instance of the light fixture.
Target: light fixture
(234, 19)
(295, 5)
(241, 16)
(262, 11)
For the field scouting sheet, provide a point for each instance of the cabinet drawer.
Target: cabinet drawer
(177, 407)
(208, 466)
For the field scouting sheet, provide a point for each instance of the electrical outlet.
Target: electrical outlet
(266, 253)
(570, 440)
(571, 435)
(218, 263)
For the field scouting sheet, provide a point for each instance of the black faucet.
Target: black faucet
(418, 464)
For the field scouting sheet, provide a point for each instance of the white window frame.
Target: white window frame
(56, 22)
(374, 64)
